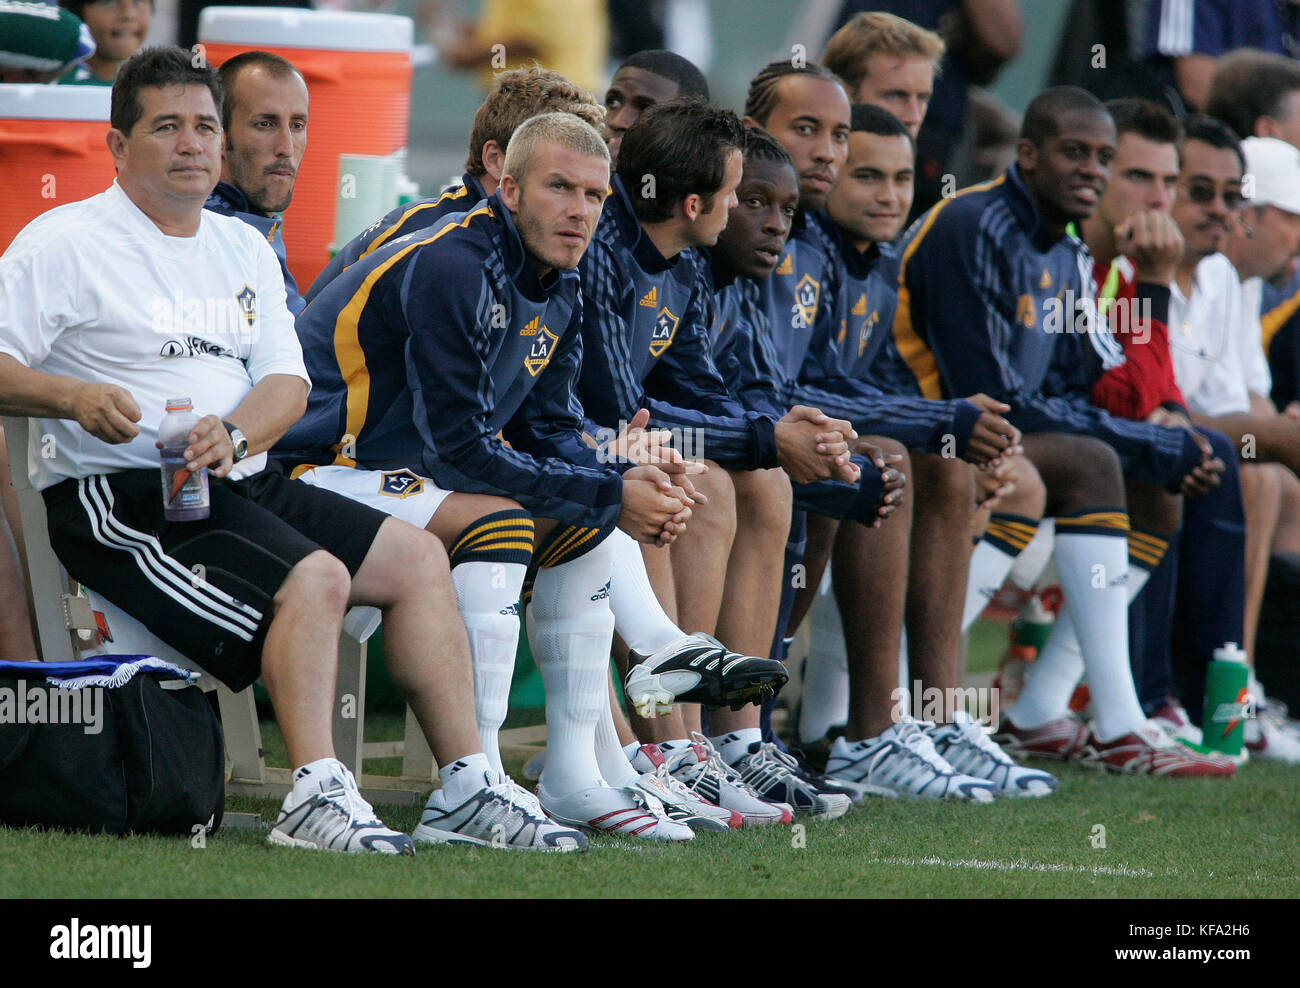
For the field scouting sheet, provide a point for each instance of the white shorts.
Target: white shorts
(403, 494)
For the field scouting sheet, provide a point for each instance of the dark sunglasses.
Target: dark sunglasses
(1204, 192)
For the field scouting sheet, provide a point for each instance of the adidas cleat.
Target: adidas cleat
(966, 746)
(681, 803)
(628, 812)
(336, 818)
(902, 761)
(699, 669)
(499, 815)
(775, 775)
(701, 769)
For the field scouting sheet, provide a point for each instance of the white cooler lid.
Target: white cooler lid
(291, 27)
(32, 101)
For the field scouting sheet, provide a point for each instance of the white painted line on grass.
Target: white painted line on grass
(1021, 865)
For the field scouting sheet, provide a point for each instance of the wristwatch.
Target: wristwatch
(237, 439)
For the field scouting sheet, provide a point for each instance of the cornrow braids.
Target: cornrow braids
(762, 98)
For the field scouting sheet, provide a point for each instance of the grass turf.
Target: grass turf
(1163, 838)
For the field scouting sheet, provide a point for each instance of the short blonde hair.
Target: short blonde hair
(877, 33)
(563, 129)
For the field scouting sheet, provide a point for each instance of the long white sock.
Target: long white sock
(615, 768)
(1033, 562)
(824, 695)
(1006, 537)
(487, 596)
(570, 627)
(1090, 636)
(639, 618)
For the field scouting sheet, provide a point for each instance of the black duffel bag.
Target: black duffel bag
(144, 754)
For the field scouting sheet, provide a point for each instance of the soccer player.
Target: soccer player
(494, 347)
(515, 96)
(1136, 246)
(646, 343)
(1001, 249)
(264, 120)
(806, 109)
(642, 80)
(261, 586)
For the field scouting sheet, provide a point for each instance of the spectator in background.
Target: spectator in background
(119, 28)
(569, 36)
(1186, 37)
(39, 42)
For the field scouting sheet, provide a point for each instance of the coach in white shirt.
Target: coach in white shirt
(112, 305)
(1214, 331)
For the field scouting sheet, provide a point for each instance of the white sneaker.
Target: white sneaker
(682, 803)
(1267, 736)
(626, 811)
(501, 814)
(775, 775)
(902, 761)
(336, 818)
(699, 767)
(966, 746)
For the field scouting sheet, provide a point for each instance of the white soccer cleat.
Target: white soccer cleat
(700, 768)
(629, 812)
(700, 669)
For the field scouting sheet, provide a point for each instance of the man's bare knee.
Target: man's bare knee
(719, 514)
(319, 581)
(764, 500)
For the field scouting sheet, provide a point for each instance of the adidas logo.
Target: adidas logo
(512, 609)
(860, 306)
(651, 298)
(786, 266)
(602, 593)
(530, 328)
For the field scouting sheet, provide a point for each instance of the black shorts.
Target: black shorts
(203, 587)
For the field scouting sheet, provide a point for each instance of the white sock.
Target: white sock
(487, 596)
(1090, 635)
(615, 768)
(639, 618)
(466, 776)
(734, 745)
(570, 634)
(1031, 563)
(824, 691)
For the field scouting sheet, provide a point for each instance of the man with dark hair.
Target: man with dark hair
(1002, 249)
(646, 343)
(1257, 94)
(515, 96)
(1136, 246)
(1216, 344)
(264, 116)
(642, 80)
(259, 587)
(807, 302)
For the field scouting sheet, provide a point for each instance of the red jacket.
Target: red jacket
(1145, 381)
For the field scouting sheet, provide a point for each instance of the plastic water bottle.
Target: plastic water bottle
(1227, 700)
(185, 494)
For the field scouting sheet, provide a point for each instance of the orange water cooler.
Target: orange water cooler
(52, 150)
(358, 72)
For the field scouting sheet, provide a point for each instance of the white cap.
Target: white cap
(1274, 166)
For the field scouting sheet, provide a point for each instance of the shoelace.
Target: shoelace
(715, 764)
(973, 731)
(347, 793)
(915, 741)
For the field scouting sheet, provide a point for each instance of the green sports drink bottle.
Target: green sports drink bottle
(1227, 702)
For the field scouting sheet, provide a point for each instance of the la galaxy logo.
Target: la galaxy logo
(247, 299)
(806, 294)
(665, 329)
(539, 355)
(864, 334)
(400, 483)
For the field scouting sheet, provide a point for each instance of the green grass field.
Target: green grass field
(1163, 838)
